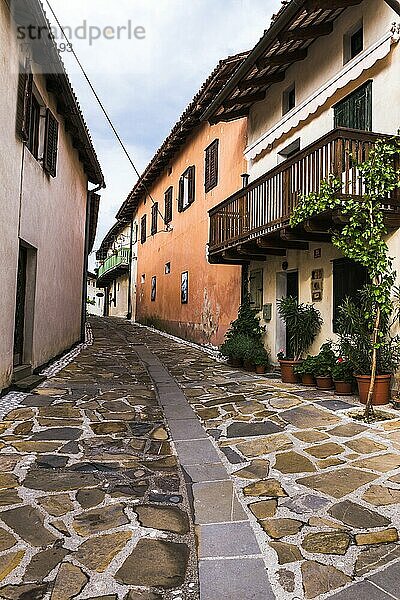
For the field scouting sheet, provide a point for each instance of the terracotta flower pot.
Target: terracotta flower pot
(260, 369)
(324, 382)
(235, 362)
(308, 380)
(381, 393)
(248, 366)
(287, 371)
(343, 388)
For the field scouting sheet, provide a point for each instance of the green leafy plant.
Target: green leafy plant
(303, 321)
(325, 361)
(343, 370)
(244, 340)
(260, 357)
(363, 236)
(306, 367)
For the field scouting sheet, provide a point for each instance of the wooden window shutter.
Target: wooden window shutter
(143, 229)
(192, 184)
(211, 166)
(180, 194)
(24, 100)
(154, 218)
(50, 144)
(168, 205)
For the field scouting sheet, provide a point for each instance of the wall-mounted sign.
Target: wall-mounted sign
(267, 312)
(317, 285)
(317, 252)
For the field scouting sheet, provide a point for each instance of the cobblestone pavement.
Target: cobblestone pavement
(321, 490)
(109, 469)
(92, 501)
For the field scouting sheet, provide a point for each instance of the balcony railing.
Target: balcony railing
(118, 261)
(265, 205)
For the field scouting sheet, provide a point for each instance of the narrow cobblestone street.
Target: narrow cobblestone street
(146, 470)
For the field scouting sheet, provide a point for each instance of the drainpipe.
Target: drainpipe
(394, 4)
(86, 258)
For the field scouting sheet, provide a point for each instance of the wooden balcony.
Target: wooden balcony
(254, 222)
(115, 265)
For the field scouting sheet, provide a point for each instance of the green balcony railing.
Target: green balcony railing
(120, 259)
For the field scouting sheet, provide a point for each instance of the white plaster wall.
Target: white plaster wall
(325, 59)
(51, 218)
(92, 291)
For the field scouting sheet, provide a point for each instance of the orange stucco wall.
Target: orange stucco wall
(214, 290)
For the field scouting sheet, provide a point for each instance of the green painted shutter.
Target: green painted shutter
(355, 111)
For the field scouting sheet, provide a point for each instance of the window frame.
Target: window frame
(286, 96)
(211, 165)
(185, 291)
(348, 38)
(168, 202)
(153, 289)
(154, 219)
(188, 175)
(143, 229)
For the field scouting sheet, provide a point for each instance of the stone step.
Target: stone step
(28, 383)
(21, 372)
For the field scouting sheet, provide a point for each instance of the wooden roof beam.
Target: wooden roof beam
(247, 99)
(313, 5)
(261, 81)
(280, 243)
(306, 33)
(282, 59)
(229, 116)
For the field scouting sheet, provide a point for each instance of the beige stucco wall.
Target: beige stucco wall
(119, 293)
(46, 213)
(92, 291)
(324, 60)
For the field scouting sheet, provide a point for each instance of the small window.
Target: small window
(185, 287)
(153, 288)
(154, 218)
(143, 279)
(186, 189)
(290, 150)
(289, 99)
(167, 269)
(211, 166)
(353, 42)
(168, 205)
(348, 278)
(143, 229)
(256, 289)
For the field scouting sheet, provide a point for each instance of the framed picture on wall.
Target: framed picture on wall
(184, 287)
(153, 288)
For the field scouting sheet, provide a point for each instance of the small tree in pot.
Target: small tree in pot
(303, 321)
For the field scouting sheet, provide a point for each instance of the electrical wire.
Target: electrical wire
(100, 103)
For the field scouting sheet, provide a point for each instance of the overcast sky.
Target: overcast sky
(147, 83)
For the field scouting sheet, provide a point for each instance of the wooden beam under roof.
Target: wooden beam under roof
(269, 242)
(306, 33)
(313, 5)
(255, 250)
(247, 99)
(229, 116)
(282, 59)
(261, 81)
(293, 236)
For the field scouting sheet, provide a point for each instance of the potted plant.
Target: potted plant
(356, 341)
(260, 359)
(323, 365)
(343, 377)
(303, 321)
(232, 350)
(306, 371)
(248, 347)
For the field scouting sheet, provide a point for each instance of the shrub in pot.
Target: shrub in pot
(306, 371)
(231, 349)
(343, 377)
(303, 321)
(323, 365)
(260, 359)
(356, 342)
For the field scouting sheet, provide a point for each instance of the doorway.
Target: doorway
(19, 326)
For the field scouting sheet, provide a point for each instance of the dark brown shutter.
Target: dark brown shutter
(50, 144)
(24, 100)
(180, 195)
(154, 218)
(211, 166)
(168, 205)
(143, 229)
(192, 183)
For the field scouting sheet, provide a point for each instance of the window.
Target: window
(289, 99)
(256, 289)
(168, 205)
(184, 287)
(211, 166)
(143, 278)
(290, 150)
(143, 229)
(154, 218)
(153, 288)
(167, 268)
(50, 144)
(353, 43)
(348, 278)
(355, 111)
(186, 189)
(34, 127)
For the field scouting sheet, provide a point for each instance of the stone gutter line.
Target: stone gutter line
(231, 562)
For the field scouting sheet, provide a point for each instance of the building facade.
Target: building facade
(48, 216)
(94, 296)
(319, 86)
(117, 272)
(197, 165)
